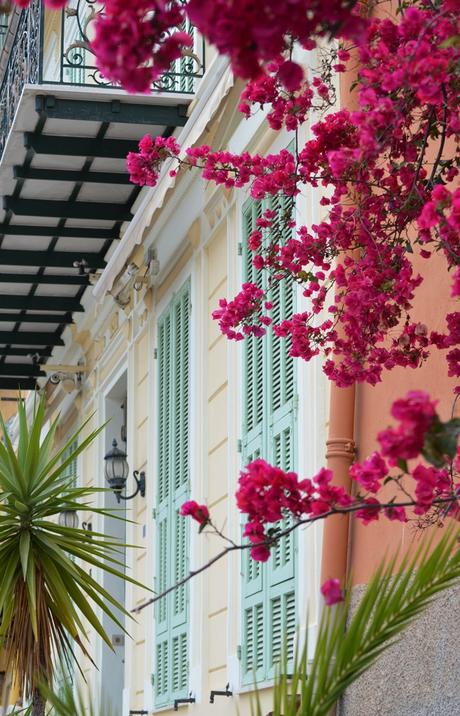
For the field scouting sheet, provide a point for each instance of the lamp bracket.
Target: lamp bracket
(139, 478)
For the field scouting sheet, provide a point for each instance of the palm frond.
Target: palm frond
(45, 596)
(347, 646)
(71, 702)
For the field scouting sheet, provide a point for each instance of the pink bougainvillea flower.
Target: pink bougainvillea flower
(200, 513)
(332, 592)
(290, 74)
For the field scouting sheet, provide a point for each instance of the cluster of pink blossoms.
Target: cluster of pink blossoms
(136, 41)
(439, 223)
(199, 513)
(252, 34)
(416, 413)
(267, 494)
(232, 313)
(144, 166)
(287, 92)
(450, 340)
(373, 161)
(374, 166)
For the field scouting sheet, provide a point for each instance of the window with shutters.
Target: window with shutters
(70, 472)
(172, 530)
(269, 421)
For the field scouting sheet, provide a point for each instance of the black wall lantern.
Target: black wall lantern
(117, 471)
(68, 518)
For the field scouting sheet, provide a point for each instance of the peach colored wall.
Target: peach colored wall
(372, 410)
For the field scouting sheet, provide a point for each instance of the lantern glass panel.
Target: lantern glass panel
(68, 518)
(116, 467)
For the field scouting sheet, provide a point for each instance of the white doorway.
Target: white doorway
(113, 661)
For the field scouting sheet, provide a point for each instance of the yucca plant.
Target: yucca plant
(68, 702)
(71, 702)
(45, 595)
(348, 645)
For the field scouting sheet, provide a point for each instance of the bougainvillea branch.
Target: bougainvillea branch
(442, 503)
(276, 502)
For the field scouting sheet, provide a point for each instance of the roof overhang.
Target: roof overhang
(66, 197)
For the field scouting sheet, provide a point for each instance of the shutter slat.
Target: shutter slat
(253, 346)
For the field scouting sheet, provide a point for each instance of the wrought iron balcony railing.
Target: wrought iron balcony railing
(53, 48)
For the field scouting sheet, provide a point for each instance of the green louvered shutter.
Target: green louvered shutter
(181, 476)
(70, 471)
(171, 613)
(269, 418)
(165, 352)
(253, 661)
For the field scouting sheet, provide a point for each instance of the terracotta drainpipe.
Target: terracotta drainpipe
(340, 451)
(340, 446)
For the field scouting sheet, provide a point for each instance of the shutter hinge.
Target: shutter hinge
(238, 652)
(152, 679)
(239, 445)
(154, 513)
(155, 353)
(240, 248)
(295, 401)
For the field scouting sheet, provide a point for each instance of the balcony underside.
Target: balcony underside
(65, 198)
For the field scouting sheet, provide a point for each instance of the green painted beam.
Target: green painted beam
(124, 112)
(79, 146)
(17, 384)
(67, 209)
(37, 278)
(18, 369)
(73, 176)
(36, 318)
(17, 351)
(65, 232)
(40, 303)
(43, 259)
(30, 338)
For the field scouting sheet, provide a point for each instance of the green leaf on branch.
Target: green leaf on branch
(441, 441)
(402, 464)
(452, 41)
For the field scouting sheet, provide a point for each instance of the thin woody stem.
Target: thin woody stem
(270, 542)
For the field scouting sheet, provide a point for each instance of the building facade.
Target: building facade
(109, 293)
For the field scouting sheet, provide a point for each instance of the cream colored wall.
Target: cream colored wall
(217, 464)
(138, 428)
(113, 340)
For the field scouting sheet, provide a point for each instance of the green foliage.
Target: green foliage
(346, 647)
(45, 595)
(67, 703)
(71, 703)
(441, 440)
